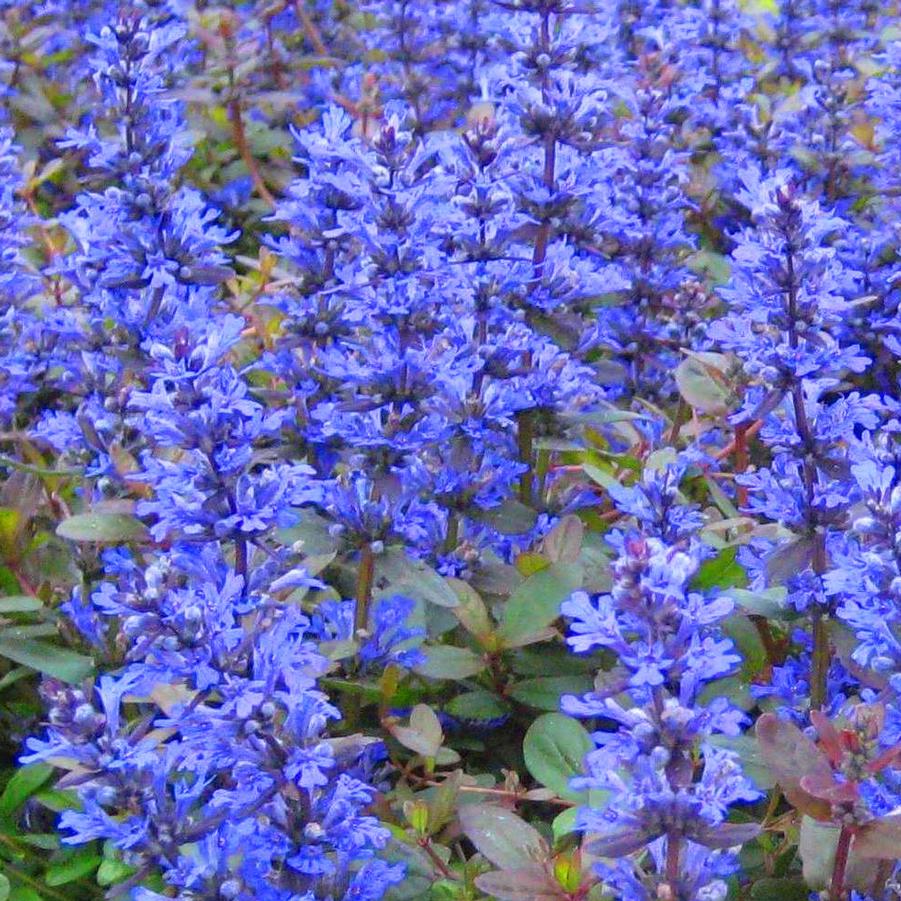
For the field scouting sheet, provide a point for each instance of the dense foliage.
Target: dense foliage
(449, 450)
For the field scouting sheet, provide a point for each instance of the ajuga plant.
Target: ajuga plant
(785, 307)
(448, 450)
(550, 101)
(715, 56)
(223, 780)
(669, 786)
(419, 43)
(204, 758)
(17, 283)
(147, 251)
(871, 247)
(864, 575)
(644, 229)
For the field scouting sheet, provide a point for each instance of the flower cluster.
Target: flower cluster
(374, 375)
(668, 644)
(205, 759)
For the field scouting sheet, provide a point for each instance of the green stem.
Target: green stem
(524, 441)
(542, 466)
(453, 532)
(365, 577)
(820, 663)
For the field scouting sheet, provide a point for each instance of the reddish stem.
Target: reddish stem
(672, 862)
(837, 886)
(240, 136)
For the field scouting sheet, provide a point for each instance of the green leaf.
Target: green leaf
(563, 543)
(536, 602)
(442, 802)
(74, 867)
(102, 528)
(23, 893)
(312, 532)
(10, 529)
(551, 660)
(722, 571)
(419, 874)
(413, 578)
(447, 662)
(15, 675)
(20, 604)
(545, 691)
(816, 847)
(424, 734)
(112, 871)
(58, 800)
(501, 836)
(511, 518)
(767, 602)
(4, 888)
(46, 841)
(564, 823)
(752, 762)
(24, 783)
(471, 611)
(604, 478)
(715, 266)
(779, 890)
(554, 750)
(599, 418)
(60, 663)
(477, 705)
(747, 639)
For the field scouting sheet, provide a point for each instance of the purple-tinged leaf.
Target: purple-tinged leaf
(500, 835)
(727, 835)
(523, 884)
(618, 843)
(791, 756)
(880, 839)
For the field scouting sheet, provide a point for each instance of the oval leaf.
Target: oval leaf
(477, 706)
(701, 382)
(102, 528)
(448, 662)
(501, 836)
(536, 602)
(523, 884)
(554, 750)
(47, 658)
(791, 756)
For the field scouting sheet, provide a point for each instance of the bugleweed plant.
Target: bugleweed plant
(449, 450)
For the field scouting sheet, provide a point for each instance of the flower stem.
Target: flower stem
(451, 536)
(837, 886)
(820, 663)
(524, 438)
(672, 862)
(365, 578)
(243, 148)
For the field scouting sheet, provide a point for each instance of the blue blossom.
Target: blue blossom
(668, 645)
(786, 304)
(388, 637)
